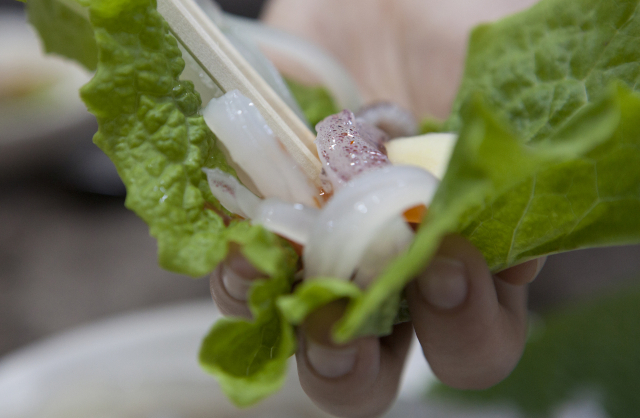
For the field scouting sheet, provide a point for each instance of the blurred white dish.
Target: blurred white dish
(143, 365)
(39, 99)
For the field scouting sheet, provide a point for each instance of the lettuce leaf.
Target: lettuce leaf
(539, 67)
(531, 175)
(313, 294)
(566, 355)
(64, 30)
(249, 358)
(150, 128)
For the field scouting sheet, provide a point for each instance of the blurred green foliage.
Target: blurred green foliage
(315, 101)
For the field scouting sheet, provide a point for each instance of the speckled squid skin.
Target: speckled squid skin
(346, 149)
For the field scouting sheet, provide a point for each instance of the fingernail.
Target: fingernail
(541, 262)
(236, 285)
(444, 283)
(330, 362)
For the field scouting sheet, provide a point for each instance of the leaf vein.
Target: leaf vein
(524, 212)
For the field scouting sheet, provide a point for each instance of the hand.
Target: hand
(410, 52)
(471, 325)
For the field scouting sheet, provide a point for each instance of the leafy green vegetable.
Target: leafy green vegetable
(311, 295)
(589, 347)
(249, 358)
(563, 190)
(64, 30)
(539, 67)
(584, 202)
(150, 127)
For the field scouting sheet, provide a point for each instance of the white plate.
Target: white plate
(142, 365)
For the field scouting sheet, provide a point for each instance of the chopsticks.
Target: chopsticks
(224, 64)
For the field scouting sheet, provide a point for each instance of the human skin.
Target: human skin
(471, 323)
(410, 52)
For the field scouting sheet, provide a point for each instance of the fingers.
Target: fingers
(230, 283)
(522, 273)
(359, 379)
(471, 325)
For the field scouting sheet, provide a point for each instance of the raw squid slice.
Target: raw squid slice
(254, 148)
(289, 220)
(343, 150)
(232, 195)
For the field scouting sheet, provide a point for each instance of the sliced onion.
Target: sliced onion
(248, 48)
(389, 117)
(352, 219)
(291, 221)
(266, 69)
(232, 195)
(391, 240)
(331, 73)
(253, 147)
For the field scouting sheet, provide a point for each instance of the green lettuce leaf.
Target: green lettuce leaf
(542, 75)
(150, 128)
(566, 356)
(313, 294)
(65, 30)
(249, 358)
(539, 67)
(584, 202)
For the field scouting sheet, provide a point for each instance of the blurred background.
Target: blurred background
(70, 253)
(69, 250)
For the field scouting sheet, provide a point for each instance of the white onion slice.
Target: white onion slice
(391, 240)
(330, 72)
(254, 148)
(389, 117)
(266, 69)
(291, 221)
(350, 221)
(232, 195)
(248, 48)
